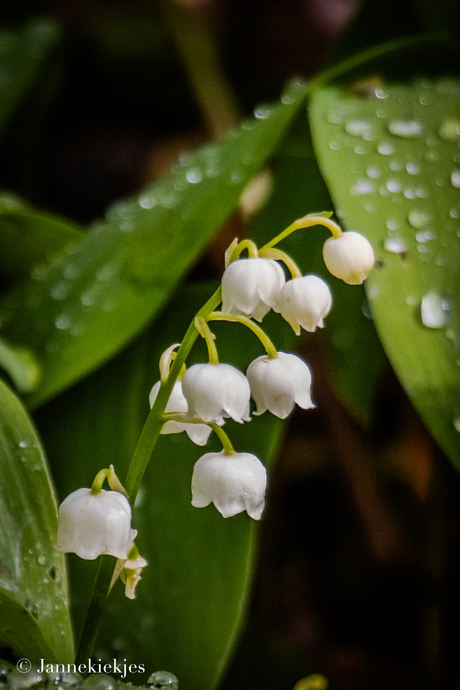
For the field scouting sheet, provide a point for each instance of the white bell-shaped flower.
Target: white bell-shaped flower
(198, 433)
(251, 286)
(277, 384)
(94, 524)
(234, 483)
(349, 257)
(305, 302)
(215, 391)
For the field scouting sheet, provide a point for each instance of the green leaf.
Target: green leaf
(22, 54)
(390, 158)
(34, 618)
(28, 237)
(21, 366)
(191, 601)
(80, 309)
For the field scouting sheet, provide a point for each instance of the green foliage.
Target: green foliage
(82, 306)
(34, 616)
(389, 153)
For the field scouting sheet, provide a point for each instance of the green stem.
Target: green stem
(226, 443)
(99, 479)
(139, 463)
(270, 349)
(306, 222)
(278, 255)
(241, 246)
(205, 332)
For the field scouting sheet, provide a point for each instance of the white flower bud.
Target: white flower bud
(198, 433)
(277, 384)
(251, 286)
(234, 483)
(349, 257)
(131, 574)
(305, 302)
(94, 524)
(215, 391)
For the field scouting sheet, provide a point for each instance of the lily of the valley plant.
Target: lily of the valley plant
(200, 398)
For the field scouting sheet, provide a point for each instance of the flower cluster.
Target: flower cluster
(200, 398)
(206, 394)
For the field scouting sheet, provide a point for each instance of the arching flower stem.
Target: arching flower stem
(203, 329)
(278, 255)
(99, 479)
(270, 349)
(306, 222)
(240, 247)
(224, 439)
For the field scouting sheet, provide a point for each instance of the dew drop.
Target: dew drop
(380, 93)
(395, 165)
(450, 129)
(335, 145)
(433, 312)
(362, 186)
(385, 149)
(408, 129)
(373, 173)
(263, 112)
(194, 176)
(41, 560)
(147, 201)
(70, 271)
(424, 236)
(360, 150)
(395, 245)
(455, 178)
(392, 224)
(358, 128)
(162, 680)
(23, 444)
(393, 186)
(410, 193)
(62, 321)
(412, 169)
(59, 290)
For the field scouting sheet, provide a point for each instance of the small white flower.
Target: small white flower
(198, 433)
(278, 383)
(349, 257)
(215, 391)
(305, 302)
(251, 286)
(94, 524)
(131, 574)
(234, 483)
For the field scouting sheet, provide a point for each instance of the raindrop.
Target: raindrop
(433, 312)
(456, 423)
(393, 186)
(236, 177)
(59, 290)
(411, 301)
(410, 193)
(406, 128)
(386, 149)
(100, 682)
(360, 150)
(40, 272)
(162, 680)
(335, 145)
(392, 225)
(455, 178)
(412, 169)
(423, 249)
(358, 128)
(373, 173)
(194, 176)
(421, 193)
(450, 130)
(395, 245)
(440, 182)
(147, 201)
(89, 297)
(362, 187)
(395, 165)
(23, 444)
(380, 93)
(127, 226)
(424, 236)
(62, 321)
(262, 112)
(431, 155)
(369, 208)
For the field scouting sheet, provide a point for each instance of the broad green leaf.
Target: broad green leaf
(192, 597)
(20, 365)
(300, 189)
(81, 308)
(22, 54)
(391, 160)
(34, 618)
(28, 237)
